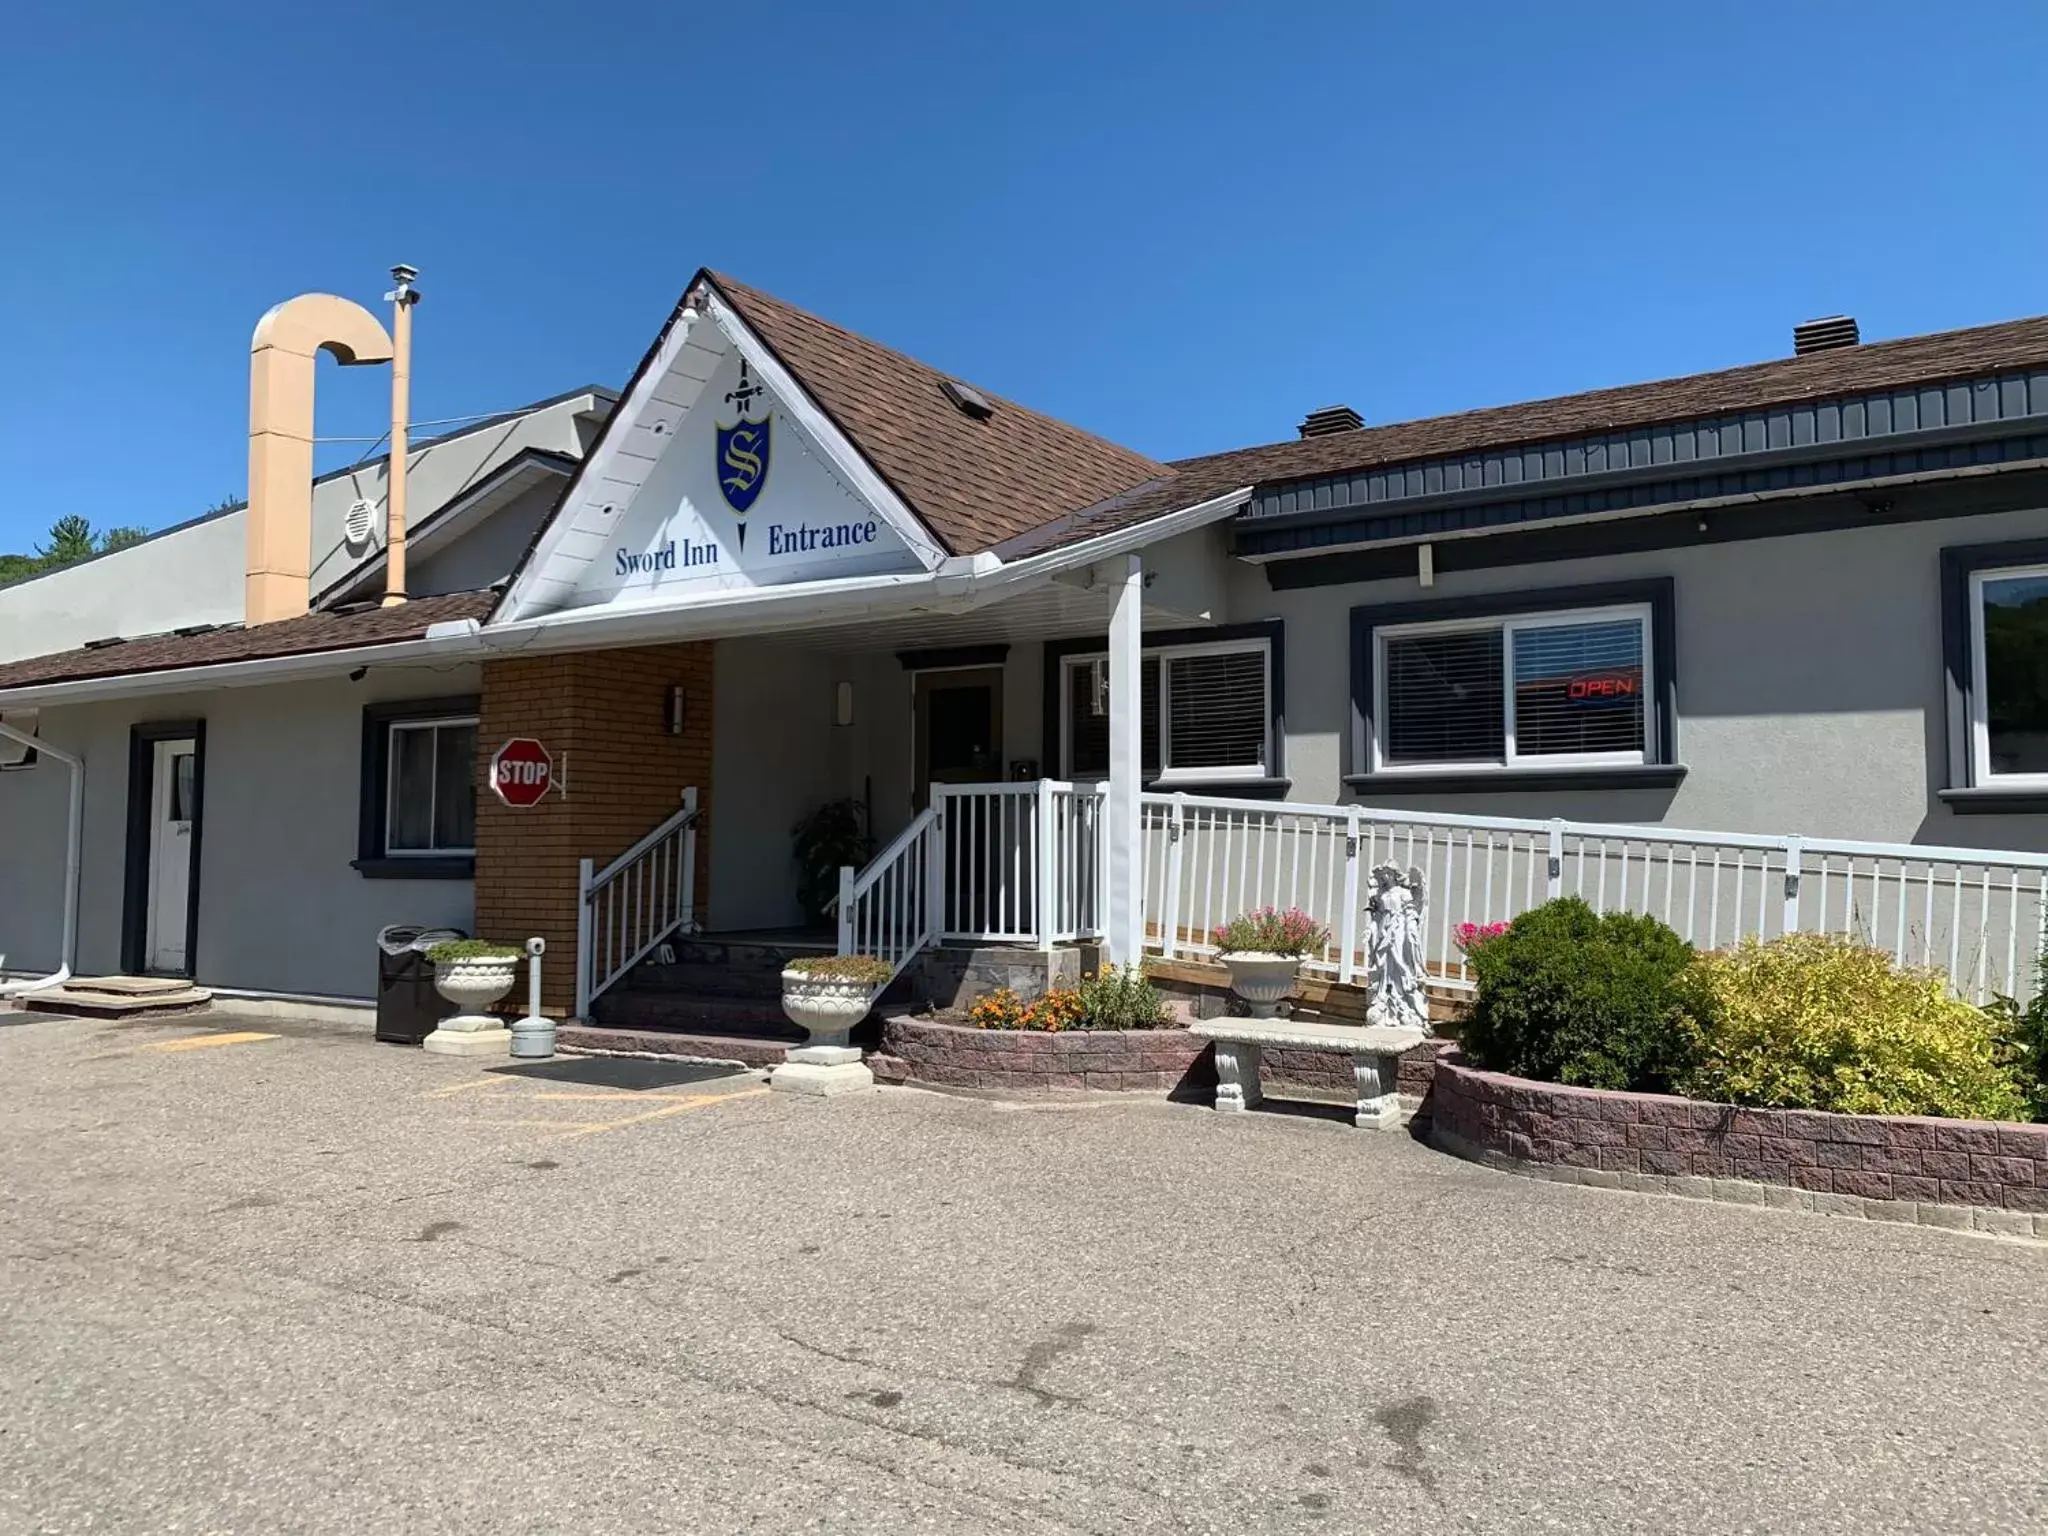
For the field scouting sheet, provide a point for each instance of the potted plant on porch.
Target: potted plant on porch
(1262, 950)
(825, 996)
(472, 974)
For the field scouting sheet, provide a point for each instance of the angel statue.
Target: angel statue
(1397, 974)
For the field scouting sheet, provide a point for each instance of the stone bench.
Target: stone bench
(1375, 1053)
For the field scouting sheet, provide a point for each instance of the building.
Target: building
(789, 567)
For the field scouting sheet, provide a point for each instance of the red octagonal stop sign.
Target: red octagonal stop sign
(522, 771)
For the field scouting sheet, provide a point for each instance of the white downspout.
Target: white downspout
(73, 853)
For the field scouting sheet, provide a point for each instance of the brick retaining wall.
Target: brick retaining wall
(1958, 1173)
(1024, 1061)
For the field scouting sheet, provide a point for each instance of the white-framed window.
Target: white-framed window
(1206, 714)
(2009, 702)
(1566, 689)
(430, 788)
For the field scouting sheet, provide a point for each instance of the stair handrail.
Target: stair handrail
(649, 891)
(903, 919)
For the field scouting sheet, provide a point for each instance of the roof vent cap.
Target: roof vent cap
(360, 523)
(1825, 335)
(1330, 420)
(968, 398)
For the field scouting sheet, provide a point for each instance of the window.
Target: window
(432, 787)
(418, 818)
(1534, 690)
(1206, 712)
(2009, 704)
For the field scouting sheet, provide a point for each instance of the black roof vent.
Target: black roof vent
(969, 399)
(1330, 420)
(1825, 335)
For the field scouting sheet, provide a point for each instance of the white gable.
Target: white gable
(685, 529)
(674, 502)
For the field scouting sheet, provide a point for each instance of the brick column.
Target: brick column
(619, 774)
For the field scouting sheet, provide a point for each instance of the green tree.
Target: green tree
(121, 538)
(71, 540)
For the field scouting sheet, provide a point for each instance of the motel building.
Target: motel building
(1752, 649)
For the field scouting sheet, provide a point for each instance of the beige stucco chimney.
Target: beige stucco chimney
(280, 516)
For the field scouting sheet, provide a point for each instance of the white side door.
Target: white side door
(170, 854)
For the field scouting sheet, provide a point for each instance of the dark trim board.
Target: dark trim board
(1877, 505)
(1958, 564)
(142, 740)
(1377, 786)
(947, 657)
(370, 861)
(1272, 631)
(1659, 592)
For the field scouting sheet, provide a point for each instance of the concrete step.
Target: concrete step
(761, 1017)
(120, 997)
(764, 955)
(680, 1045)
(699, 979)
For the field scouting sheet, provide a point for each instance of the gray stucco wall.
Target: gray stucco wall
(1810, 684)
(777, 755)
(279, 909)
(487, 552)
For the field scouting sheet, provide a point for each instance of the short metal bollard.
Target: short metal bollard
(533, 1035)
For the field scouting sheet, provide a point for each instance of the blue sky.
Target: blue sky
(1179, 225)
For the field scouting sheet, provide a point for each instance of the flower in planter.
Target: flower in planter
(1268, 931)
(864, 969)
(1057, 1010)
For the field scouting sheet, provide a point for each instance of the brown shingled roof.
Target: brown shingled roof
(287, 637)
(974, 483)
(1911, 360)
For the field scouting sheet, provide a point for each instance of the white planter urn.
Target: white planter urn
(472, 985)
(1261, 981)
(825, 1008)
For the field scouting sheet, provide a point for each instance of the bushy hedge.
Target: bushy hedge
(1807, 1021)
(1813, 1021)
(1569, 995)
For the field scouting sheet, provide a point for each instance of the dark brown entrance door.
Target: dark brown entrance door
(958, 723)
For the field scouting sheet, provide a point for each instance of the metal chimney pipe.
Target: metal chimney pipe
(402, 298)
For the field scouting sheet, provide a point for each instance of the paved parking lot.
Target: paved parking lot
(292, 1281)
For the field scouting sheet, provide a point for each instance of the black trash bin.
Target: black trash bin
(408, 1007)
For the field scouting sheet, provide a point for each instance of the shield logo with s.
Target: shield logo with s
(743, 450)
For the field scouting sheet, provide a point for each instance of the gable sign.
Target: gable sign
(740, 497)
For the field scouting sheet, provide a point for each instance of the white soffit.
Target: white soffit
(578, 543)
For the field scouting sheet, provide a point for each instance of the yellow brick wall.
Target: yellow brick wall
(618, 772)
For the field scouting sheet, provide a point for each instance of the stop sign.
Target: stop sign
(522, 771)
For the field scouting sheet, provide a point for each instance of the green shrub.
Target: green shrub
(1568, 995)
(450, 950)
(1122, 997)
(2022, 1034)
(1813, 1021)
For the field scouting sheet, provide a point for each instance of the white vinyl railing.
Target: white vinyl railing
(635, 902)
(1977, 914)
(1022, 862)
(1016, 864)
(889, 909)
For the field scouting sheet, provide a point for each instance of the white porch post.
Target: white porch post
(1124, 932)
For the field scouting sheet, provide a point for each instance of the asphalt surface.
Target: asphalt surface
(312, 1284)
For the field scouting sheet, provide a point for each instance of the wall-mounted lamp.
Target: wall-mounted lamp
(675, 711)
(842, 704)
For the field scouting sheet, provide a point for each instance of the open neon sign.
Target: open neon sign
(1604, 687)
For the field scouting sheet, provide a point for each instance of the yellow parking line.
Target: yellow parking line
(660, 1114)
(481, 1082)
(194, 1042)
